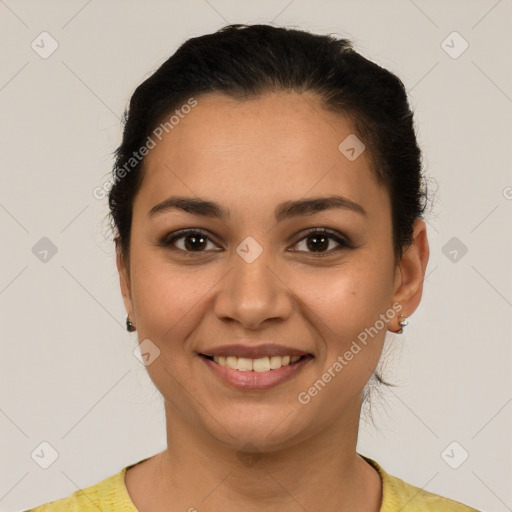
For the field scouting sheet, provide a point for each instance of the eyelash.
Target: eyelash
(170, 239)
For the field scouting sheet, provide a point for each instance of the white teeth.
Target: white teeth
(275, 362)
(263, 364)
(231, 362)
(244, 364)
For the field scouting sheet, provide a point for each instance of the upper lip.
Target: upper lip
(254, 352)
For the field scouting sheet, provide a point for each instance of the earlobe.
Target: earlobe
(411, 272)
(124, 280)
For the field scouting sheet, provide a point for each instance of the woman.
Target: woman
(267, 200)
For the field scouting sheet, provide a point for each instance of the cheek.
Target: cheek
(169, 300)
(169, 305)
(357, 293)
(350, 313)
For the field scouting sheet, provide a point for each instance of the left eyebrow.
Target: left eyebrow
(286, 210)
(315, 205)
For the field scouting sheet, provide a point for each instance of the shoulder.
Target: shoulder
(107, 495)
(413, 498)
(400, 495)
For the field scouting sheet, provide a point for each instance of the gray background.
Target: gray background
(69, 376)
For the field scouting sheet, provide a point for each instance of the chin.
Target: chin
(258, 432)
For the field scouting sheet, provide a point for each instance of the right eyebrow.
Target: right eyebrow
(195, 206)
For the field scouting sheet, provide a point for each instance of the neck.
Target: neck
(198, 472)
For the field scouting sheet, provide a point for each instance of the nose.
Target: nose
(254, 292)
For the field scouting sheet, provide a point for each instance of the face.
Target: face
(254, 270)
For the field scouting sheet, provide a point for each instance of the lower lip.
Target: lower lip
(256, 380)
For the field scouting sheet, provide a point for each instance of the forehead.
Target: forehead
(278, 145)
(272, 127)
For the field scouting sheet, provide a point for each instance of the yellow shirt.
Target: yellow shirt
(111, 495)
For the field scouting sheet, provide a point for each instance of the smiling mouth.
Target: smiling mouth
(260, 365)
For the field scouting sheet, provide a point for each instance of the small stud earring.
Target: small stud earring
(402, 323)
(129, 326)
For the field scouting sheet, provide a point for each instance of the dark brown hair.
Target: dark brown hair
(244, 61)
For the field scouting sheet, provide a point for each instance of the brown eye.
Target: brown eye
(189, 241)
(321, 241)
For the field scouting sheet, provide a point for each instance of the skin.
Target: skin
(249, 156)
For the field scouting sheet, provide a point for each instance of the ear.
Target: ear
(410, 273)
(124, 280)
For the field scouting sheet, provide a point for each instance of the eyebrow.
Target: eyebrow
(286, 210)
